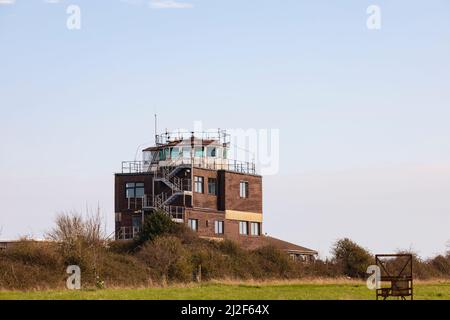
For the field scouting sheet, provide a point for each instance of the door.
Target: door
(137, 221)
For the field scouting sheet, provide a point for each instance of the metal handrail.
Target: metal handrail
(177, 135)
(127, 233)
(206, 163)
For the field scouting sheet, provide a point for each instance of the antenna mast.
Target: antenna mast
(156, 129)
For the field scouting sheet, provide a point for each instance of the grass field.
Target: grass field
(314, 290)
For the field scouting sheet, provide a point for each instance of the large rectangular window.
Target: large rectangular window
(198, 152)
(129, 190)
(134, 190)
(211, 152)
(243, 227)
(218, 227)
(255, 228)
(212, 186)
(198, 184)
(186, 152)
(175, 153)
(193, 224)
(243, 189)
(162, 154)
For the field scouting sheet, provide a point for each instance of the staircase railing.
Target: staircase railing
(158, 202)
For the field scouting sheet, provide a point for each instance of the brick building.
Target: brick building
(191, 179)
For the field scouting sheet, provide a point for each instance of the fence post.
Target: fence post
(199, 273)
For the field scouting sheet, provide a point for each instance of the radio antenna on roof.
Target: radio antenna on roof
(156, 128)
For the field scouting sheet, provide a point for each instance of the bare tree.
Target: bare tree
(81, 240)
(72, 227)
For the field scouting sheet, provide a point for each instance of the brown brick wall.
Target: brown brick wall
(206, 221)
(233, 201)
(232, 233)
(205, 200)
(120, 200)
(207, 208)
(231, 227)
(228, 185)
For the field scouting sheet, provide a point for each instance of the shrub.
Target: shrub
(124, 270)
(321, 268)
(274, 263)
(351, 258)
(214, 264)
(35, 253)
(442, 265)
(167, 259)
(30, 264)
(156, 224)
(424, 269)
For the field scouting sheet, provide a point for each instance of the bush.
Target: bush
(427, 269)
(30, 264)
(156, 224)
(170, 252)
(351, 258)
(442, 265)
(167, 259)
(28, 252)
(274, 263)
(124, 270)
(81, 242)
(321, 269)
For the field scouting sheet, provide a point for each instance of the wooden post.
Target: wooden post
(199, 273)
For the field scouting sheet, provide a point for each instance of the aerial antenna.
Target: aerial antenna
(156, 128)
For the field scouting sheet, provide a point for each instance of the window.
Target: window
(243, 227)
(193, 224)
(198, 184)
(136, 222)
(243, 189)
(140, 191)
(212, 186)
(147, 156)
(218, 227)
(162, 154)
(255, 229)
(211, 152)
(186, 152)
(134, 190)
(129, 189)
(198, 152)
(175, 153)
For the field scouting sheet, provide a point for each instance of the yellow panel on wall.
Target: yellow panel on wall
(243, 216)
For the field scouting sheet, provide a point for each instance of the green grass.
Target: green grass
(288, 291)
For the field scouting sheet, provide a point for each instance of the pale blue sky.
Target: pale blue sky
(363, 115)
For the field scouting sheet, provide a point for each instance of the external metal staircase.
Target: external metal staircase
(177, 169)
(178, 187)
(176, 213)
